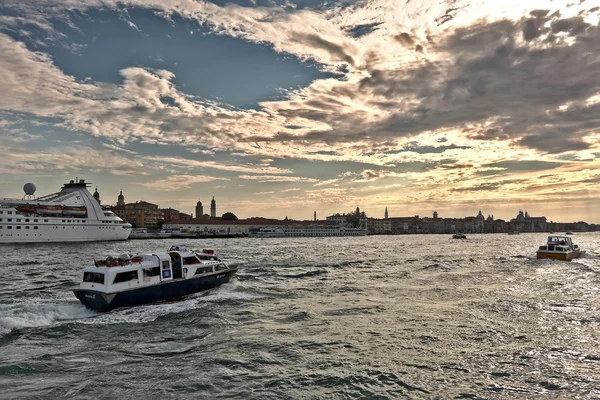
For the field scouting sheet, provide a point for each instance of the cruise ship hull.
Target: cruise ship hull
(61, 233)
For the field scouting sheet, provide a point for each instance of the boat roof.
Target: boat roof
(163, 255)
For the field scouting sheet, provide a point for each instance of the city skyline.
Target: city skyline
(285, 108)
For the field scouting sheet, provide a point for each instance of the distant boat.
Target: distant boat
(459, 236)
(568, 233)
(514, 232)
(307, 231)
(559, 248)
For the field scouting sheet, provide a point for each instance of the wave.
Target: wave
(307, 274)
(36, 312)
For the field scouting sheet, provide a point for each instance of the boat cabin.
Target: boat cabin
(559, 243)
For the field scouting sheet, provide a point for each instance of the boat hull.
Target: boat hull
(567, 256)
(103, 302)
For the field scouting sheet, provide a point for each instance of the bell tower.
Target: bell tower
(213, 208)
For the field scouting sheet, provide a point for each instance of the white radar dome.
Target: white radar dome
(29, 189)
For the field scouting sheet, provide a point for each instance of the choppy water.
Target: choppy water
(380, 317)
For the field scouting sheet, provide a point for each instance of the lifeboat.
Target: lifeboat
(26, 208)
(74, 211)
(48, 210)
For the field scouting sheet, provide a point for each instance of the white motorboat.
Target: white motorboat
(129, 281)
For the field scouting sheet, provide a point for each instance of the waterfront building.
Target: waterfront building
(171, 214)
(523, 222)
(242, 226)
(339, 219)
(379, 226)
(140, 214)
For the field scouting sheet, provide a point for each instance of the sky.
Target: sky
(282, 108)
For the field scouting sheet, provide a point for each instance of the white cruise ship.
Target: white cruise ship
(71, 215)
(307, 231)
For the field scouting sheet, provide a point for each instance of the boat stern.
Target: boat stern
(94, 300)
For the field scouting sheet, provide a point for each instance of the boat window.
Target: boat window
(126, 276)
(9, 212)
(9, 227)
(221, 267)
(205, 270)
(94, 277)
(152, 271)
(190, 260)
(35, 227)
(165, 265)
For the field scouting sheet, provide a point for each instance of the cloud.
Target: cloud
(223, 166)
(70, 158)
(176, 182)
(275, 178)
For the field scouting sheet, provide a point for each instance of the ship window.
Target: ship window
(45, 220)
(152, 271)
(18, 219)
(190, 260)
(126, 276)
(26, 220)
(9, 212)
(1, 212)
(63, 220)
(205, 270)
(9, 219)
(9, 227)
(35, 227)
(18, 226)
(26, 227)
(221, 267)
(165, 264)
(35, 220)
(94, 277)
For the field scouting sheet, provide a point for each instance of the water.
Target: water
(382, 317)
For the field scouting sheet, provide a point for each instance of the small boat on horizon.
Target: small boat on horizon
(568, 233)
(559, 248)
(129, 281)
(459, 236)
